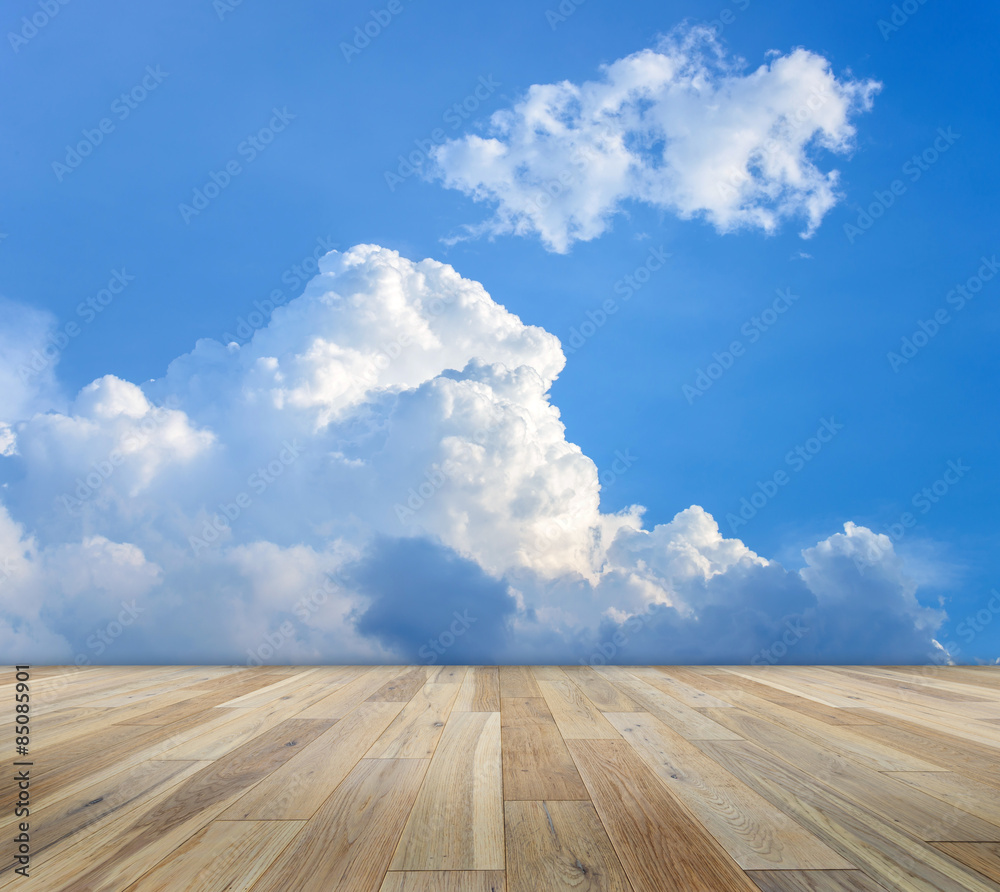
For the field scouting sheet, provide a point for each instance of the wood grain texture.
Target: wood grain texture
(296, 789)
(444, 881)
(575, 716)
(756, 835)
(489, 779)
(348, 844)
(983, 857)
(228, 855)
(415, 732)
(560, 847)
(480, 692)
(658, 843)
(815, 881)
(457, 820)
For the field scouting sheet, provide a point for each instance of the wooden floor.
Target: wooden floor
(523, 779)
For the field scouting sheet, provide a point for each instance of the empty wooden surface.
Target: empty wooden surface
(511, 779)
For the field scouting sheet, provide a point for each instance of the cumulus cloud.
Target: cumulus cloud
(683, 127)
(378, 466)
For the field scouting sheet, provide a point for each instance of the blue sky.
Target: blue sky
(216, 75)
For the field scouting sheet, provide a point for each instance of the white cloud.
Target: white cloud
(383, 456)
(684, 128)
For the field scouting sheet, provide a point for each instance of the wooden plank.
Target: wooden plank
(575, 716)
(892, 858)
(599, 691)
(480, 692)
(659, 844)
(537, 764)
(689, 723)
(517, 681)
(402, 687)
(815, 881)
(667, 680)
(457, 821)
(347, 846)
(910, 809)
(973, 796)
(341, 701)
(558, 847)
(113, 862)
(524, 711)
(227, 855)
(415, 732)
(446, 674)
(944, 751)
(66, 817)
(847, 740)
(756, 835)
(296, 789)
(444, 881)
(278, 690)
(980, 856)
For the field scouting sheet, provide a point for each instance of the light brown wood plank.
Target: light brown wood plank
(596, 688)
(347, 845)
(659, 844)
(815, 881)
(689, 723)
(558, 847)
(480, 692)
(402, 687)
(228, 855)
(444, 881)
(909, 809)
(983, 857)
(575, 716)
(756, 835)
(517, 681)
(296, 789)
(457, 820)
(893, 858)
(341, 701)
(415, 732)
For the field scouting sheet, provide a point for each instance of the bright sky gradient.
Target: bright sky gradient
(722, 297)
